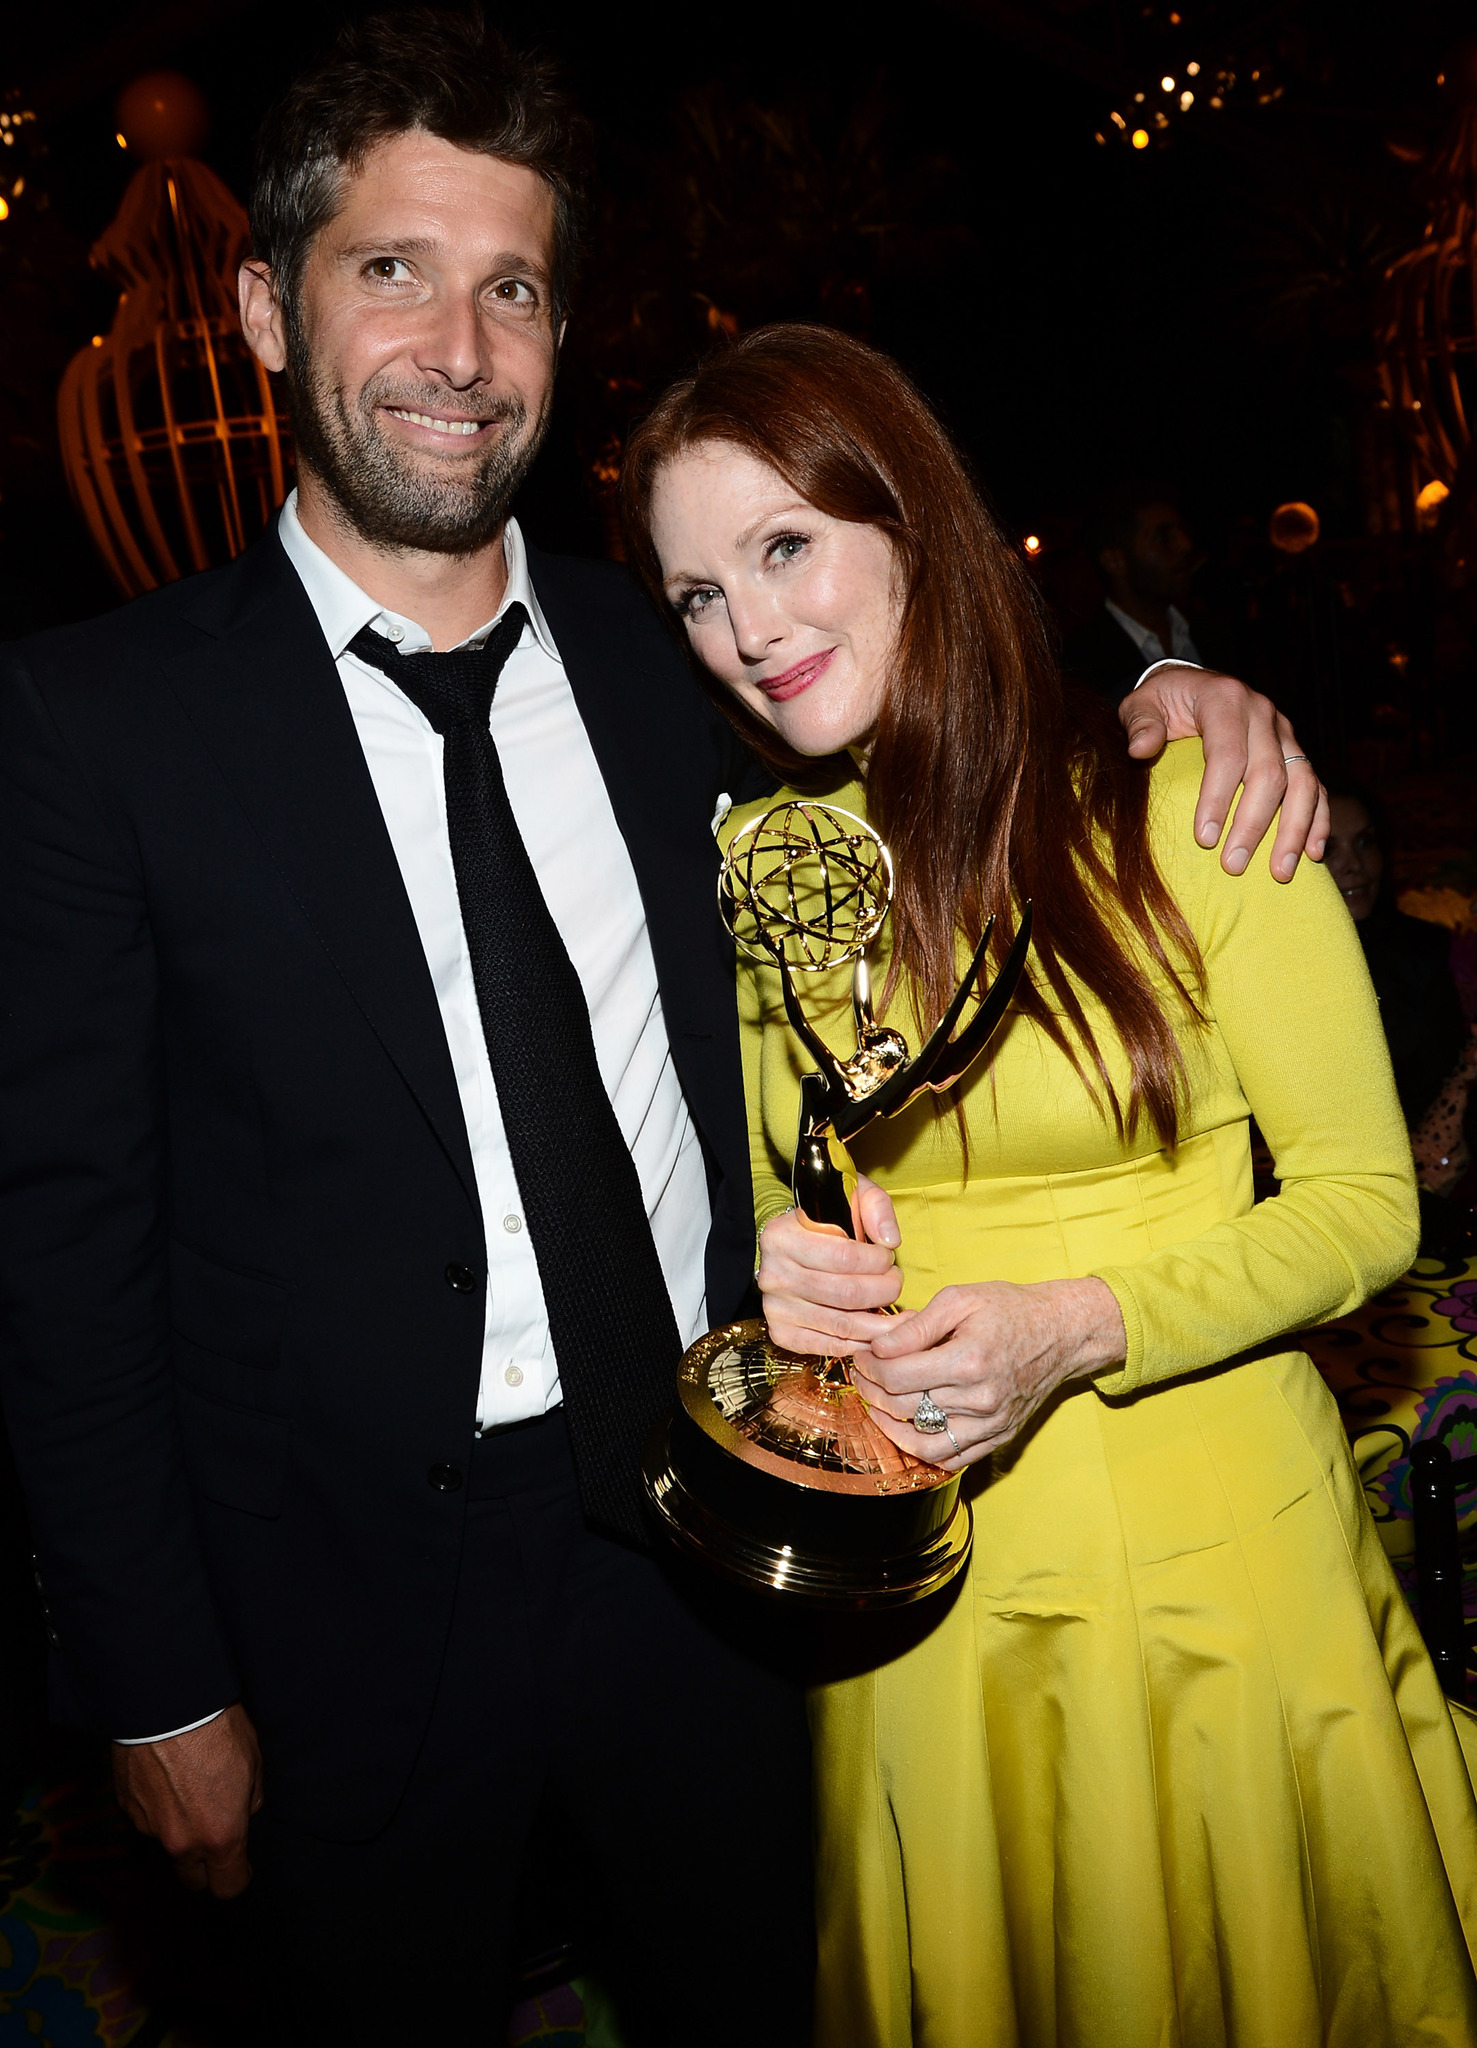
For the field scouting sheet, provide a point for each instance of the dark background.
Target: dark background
(927, 175)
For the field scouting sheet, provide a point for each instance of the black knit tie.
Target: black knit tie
(610, 1316)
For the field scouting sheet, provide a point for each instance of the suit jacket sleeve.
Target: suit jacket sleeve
(84, 1305)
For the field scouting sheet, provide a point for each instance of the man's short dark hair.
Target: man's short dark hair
(1113, 520)
(447, 74)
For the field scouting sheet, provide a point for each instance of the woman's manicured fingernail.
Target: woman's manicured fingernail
(1209, 832)
(1237, 859)
(890, 1235)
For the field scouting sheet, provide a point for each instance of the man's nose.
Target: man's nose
(454, 342)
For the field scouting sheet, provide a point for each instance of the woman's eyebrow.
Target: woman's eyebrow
(774, 512)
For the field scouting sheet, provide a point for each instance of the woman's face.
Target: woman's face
(1353, 857)
(796, 612)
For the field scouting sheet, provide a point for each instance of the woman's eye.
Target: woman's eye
(786, 546)
(696, 602)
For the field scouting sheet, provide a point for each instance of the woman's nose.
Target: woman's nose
(755, 628)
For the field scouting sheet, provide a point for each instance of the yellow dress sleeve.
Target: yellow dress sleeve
(1288, 993)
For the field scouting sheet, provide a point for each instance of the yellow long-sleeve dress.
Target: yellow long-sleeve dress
(1171, 1767)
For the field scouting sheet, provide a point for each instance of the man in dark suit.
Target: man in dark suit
(375, 1140)
(310, 1224)
(1138, 545)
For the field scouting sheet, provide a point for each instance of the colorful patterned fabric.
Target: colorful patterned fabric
(62, 1980)
(1404, 1368)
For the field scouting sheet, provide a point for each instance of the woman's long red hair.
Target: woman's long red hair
(988, 787)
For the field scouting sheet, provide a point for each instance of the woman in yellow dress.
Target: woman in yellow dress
(1168, 1767)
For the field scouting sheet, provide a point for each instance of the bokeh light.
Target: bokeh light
(1294, 528)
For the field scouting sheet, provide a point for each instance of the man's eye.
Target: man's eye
(512, 291)
(388, 269)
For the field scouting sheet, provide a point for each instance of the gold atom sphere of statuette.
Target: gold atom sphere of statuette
(808, 881)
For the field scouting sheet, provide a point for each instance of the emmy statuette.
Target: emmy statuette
(771, 1469)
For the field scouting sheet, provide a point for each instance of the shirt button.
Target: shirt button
(461, 1279)
(395, 633)
(512, 1224)
(445, 1478)
(514, 1375)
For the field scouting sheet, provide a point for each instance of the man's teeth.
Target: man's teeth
(424, 419)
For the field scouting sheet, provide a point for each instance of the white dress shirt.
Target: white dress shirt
(1181, 647)
(564, 813)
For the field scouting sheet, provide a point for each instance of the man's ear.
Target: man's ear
(261, 314)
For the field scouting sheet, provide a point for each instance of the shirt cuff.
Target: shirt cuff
(142, 1741)
(1169, 661)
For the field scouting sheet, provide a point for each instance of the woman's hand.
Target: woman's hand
(822, 1290)
(989, 1355)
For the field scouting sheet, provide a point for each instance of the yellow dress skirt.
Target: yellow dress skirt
(1169, 1767)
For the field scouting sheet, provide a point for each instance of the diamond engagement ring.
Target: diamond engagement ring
(929, 1417)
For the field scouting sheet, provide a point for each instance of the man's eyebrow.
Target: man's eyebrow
(392, 245)
(425, 245)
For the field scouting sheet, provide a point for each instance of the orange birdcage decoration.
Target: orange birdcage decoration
(174, 448)
(1426, 324)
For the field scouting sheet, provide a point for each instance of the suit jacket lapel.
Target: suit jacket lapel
(264, 695)
(637, 723)
(662, 821)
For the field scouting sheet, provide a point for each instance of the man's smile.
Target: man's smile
(446, 424)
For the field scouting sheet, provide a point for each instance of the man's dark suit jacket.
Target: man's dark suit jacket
(235, 1169)
(1100, 656)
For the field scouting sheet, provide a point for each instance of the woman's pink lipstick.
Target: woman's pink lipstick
(779, 688)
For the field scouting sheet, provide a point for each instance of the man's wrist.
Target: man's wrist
(1169, 661)
(143, 1741)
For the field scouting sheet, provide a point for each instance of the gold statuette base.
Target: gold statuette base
(774, 1474)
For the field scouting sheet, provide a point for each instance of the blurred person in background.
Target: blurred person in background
(1409, 962)
(1137, 542)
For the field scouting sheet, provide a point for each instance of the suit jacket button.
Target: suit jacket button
(445, 1478)
(461, 1279)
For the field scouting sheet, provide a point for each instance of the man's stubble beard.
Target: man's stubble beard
(383, 496)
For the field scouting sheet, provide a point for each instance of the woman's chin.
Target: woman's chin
(817, 739)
